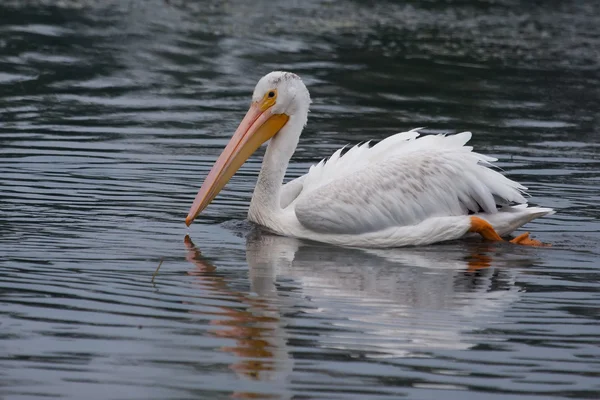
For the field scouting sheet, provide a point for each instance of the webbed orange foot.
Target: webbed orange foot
(525, 240)
(486, 230)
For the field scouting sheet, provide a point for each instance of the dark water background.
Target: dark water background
(111, 113)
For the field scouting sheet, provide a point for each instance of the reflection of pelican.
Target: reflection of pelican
(377, 302)
(387, 302)
(402, 191)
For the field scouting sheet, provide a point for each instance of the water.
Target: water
(111, 113)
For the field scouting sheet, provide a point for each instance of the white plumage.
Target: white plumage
(414, 179)
(405, 190)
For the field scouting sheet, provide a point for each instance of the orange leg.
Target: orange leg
(486, 230)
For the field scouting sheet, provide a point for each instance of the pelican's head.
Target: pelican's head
(278, 97)
(286, 90)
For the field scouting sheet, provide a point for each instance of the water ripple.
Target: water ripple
(112, 113)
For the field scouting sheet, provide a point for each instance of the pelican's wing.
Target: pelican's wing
(405, 182)
(356, 158)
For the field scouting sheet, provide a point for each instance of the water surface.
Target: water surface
(111, 114)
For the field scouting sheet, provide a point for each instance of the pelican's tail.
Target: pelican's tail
(509, 219)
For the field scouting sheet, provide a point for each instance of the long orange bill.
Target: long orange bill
(258, 126)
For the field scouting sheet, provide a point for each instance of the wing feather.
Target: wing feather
(401, 183)
(336, 165)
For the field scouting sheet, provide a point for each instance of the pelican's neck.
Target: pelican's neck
(266, 204)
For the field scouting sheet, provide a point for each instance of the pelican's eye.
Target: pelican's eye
(268, 99)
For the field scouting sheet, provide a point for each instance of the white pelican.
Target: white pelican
(402, 191)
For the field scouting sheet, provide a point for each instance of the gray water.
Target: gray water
(111, 114)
